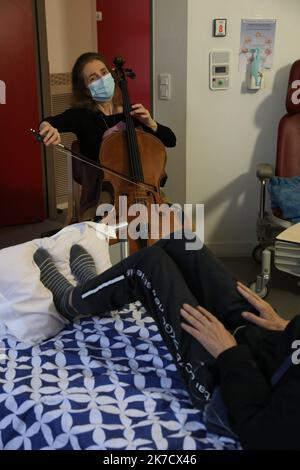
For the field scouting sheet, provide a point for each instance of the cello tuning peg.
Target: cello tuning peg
(119, 61)
(130, 73)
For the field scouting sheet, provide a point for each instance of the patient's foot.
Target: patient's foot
(82, 264)
(53, 280)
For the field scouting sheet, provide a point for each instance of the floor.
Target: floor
(10, 236)
(284, 291)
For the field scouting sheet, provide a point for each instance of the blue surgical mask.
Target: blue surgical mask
(103, 89)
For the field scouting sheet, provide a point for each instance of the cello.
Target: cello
(132, 165)
(138, 162)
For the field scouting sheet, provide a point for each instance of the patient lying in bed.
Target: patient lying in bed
(245, 342)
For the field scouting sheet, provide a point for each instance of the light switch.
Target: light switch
(164, 86)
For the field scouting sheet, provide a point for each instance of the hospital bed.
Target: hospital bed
(98, 384)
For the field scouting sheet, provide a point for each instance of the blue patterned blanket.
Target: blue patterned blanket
(106, 384)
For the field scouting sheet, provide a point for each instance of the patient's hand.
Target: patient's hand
(207, 329)
(267, 318)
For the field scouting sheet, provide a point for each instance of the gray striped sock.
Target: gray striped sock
(82, 264)
(55, 282)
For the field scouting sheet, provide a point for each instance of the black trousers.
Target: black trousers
(164, 277)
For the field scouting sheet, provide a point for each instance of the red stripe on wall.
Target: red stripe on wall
(125, 30)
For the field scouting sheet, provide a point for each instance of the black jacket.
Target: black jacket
(264, 417)
(89, 128)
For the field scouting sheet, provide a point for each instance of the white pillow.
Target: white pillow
(26, 306)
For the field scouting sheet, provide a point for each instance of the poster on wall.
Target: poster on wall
(257, 34)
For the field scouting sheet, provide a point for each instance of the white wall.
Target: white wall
(170, 46)
(221, 135)
(229, 132)
(71, 30)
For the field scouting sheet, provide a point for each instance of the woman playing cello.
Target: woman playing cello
(96, 112)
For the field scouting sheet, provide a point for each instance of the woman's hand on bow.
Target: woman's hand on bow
(50, 135)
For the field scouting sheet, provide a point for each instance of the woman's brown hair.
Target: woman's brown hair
(81, 97)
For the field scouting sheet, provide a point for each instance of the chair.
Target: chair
(86, 194)
(84, 190)
(271, 224)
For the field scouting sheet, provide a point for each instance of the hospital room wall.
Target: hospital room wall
(230, 132)
(222, 135)
(170, 56)
(71, 30)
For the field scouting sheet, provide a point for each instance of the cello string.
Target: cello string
(132, 136)
(132, 140)
(134, 149)
(135, 161)
(132, 145)
(126, 113)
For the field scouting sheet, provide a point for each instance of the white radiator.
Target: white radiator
(60, 101)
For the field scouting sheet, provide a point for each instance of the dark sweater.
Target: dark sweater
(264, 417)
(89, 128)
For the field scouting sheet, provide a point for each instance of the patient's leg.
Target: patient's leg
(82, 264)
(210, 282)
(152, 277)
(60, 287)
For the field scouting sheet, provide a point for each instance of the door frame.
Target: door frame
(45, 104)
